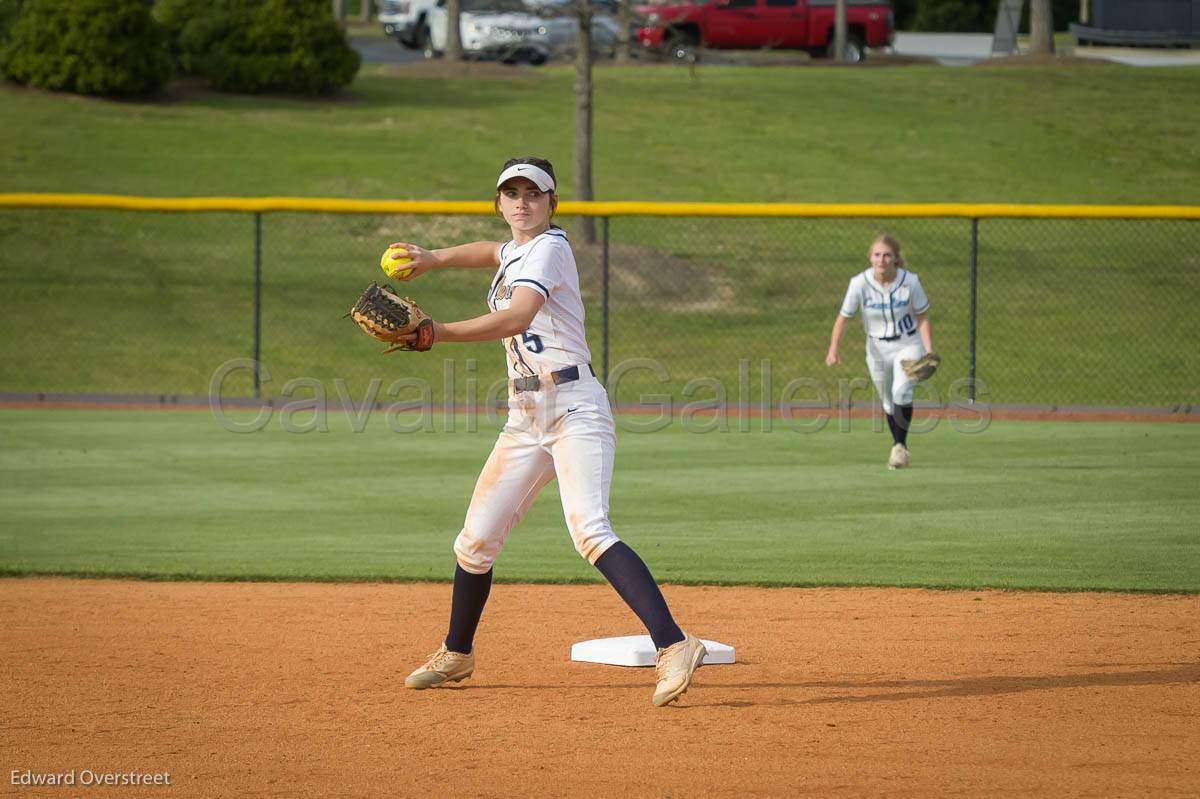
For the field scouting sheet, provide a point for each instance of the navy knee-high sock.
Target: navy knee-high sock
(633, 582)
(470, 595)
(891, 420)
(902, 421)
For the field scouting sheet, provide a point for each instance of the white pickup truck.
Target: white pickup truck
(405, 20)
(506, 30)
(499, 29)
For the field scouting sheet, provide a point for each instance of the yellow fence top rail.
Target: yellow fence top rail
(760, 210)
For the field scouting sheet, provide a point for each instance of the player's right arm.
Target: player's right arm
(476, 255)
(849, 307)
(835, 341)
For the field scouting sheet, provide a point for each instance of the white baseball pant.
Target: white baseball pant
(564, 431)
(892, 385)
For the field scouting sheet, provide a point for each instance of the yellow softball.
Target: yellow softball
(391, 266)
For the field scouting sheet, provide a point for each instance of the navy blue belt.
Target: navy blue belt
(534, 382)
(896, 338)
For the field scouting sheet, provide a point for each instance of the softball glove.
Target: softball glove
(922, 368)
(384, 315)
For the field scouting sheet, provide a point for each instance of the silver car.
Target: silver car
(562, 26)
(563, 34)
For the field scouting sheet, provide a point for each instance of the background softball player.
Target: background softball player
(559, 425)
(896, 320)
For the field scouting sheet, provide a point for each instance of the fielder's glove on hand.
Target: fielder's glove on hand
(922, 368)
(383, 314)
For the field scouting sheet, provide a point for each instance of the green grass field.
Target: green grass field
(1071, 133)
(169, 299)
(1090, 134)
(1019, 505)
(165, 299)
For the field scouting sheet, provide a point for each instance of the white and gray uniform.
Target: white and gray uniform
(563, 429)
(889, 319)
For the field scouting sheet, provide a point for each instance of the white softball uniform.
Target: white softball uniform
(889, 319)
(563, 429)
(555, 339)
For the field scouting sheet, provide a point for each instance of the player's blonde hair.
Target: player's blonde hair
(893, 245)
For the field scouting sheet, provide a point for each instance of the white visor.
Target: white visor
(536, 175)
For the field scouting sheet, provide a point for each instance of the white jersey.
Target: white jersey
(560, 431)
(887, 313)
(555, 339)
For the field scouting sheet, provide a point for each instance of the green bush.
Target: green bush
(176, 16)
(9, 11)
(260, 45)
(951, 16)
(965, 16)
(102, 47)
(1065, 12)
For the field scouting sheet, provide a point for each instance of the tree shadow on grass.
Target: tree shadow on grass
(465, 86)
(412, 93)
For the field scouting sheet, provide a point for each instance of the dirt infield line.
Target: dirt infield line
(239, 689)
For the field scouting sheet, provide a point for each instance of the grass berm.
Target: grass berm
(154, 303)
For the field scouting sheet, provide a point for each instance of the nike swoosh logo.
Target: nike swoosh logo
(570, 410)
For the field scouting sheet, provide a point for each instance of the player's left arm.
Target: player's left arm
(926, 331)
(510, 321)
(921, 301)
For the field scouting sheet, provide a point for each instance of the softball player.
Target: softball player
(896, 320)
(559, 426)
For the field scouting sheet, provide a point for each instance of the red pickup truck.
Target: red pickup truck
(679, 29)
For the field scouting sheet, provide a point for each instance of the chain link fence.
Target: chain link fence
(1064, 312)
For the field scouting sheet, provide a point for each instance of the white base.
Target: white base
(638, 650)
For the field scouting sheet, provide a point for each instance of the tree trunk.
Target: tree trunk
(1083, 12)
(339, 10)
(365, 11)
(1041, 28)
(454, 51)
(583, 117)
(624, 28)
(839, 32)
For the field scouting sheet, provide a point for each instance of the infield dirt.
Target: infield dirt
(275, 689)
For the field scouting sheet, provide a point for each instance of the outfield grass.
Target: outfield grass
(163, 300)
(169, 298)
(1087, 133)
(1019, 505)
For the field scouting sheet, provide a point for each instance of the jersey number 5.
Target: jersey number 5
(533, 342)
